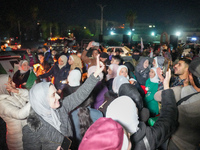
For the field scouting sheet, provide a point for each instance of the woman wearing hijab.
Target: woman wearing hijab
(75, 62)
(142, 71)
(48, 121)
(60, 72)
(151, 88)
(124, 111)
(112, 73)
(14, 108)
(21, 76)
(73, 82)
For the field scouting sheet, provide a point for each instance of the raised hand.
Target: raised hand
(99, 68)
(167, 79)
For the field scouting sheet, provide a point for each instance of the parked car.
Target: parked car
(124, 50)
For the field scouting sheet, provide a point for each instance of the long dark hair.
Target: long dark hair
(84, 119)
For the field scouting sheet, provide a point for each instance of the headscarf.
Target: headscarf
(40, 104)
(124, 111)
(93, 69)
(117, 82)
(114, 68)
(104, 133)
(76, 62)
(159, 60)
(20, 66)
(155, 79)
(3, 81)
(64, 59)
(140, 67)
(74, 78)
(120, 67)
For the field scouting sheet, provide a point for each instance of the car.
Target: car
(124, 50)
(9, 61)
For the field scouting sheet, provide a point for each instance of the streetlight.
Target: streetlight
(153, 33)
(178, 33)
(100, 5)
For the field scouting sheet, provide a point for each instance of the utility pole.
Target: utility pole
(102, 7)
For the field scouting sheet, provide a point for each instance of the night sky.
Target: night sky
(79, 11)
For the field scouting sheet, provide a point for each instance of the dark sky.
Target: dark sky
(78, 11)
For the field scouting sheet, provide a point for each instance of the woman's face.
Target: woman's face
(109, 71)
(60, 61)
(53, 97)
(146, 64)
(25, 66)
(70, 61)
(152, 73)
(154, 63)
(123, 72)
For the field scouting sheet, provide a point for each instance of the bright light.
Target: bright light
(178, 33)
(8, 41)
(150, 26)
(112, 33)
(194, 39)
(153, 33)
(133, 29)
(154, 26)
(84, 27)
(129, 33)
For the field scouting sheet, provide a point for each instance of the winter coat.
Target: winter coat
(59, 75)
(164, 127)
(14, 110)
(19, 78)
(187, 135)
(39, 134)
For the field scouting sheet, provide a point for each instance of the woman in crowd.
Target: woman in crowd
(73, 82)
(21, 76)
(84, 117)
(14, 108)
(142, 71)
(60, 72)
(151, 88)
(112, 73)
(49, 122)
(75, 62)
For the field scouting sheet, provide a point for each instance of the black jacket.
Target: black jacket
(164, 127)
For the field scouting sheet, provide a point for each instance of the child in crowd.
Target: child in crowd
(151, 88)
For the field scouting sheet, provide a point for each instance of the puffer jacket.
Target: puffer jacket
(14, 110)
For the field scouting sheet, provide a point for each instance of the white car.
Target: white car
(124, 50)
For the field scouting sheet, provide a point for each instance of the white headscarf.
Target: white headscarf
(40, 104)
(124, 111)
(74, 78)
(3, 81)
(93, 69)
(20, 66)
(64, 59)
(120, 67)
(117, 82)
(155, 79)
(114, 68)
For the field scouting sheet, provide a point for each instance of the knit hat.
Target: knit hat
(103, 134)
(194, 68)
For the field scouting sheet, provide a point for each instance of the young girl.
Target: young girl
(151, 88)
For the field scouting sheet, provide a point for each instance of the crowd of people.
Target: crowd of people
(96, 100)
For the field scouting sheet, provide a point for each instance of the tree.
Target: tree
(130, 18)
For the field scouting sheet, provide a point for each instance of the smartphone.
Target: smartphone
(66, 144)
(95, 44)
